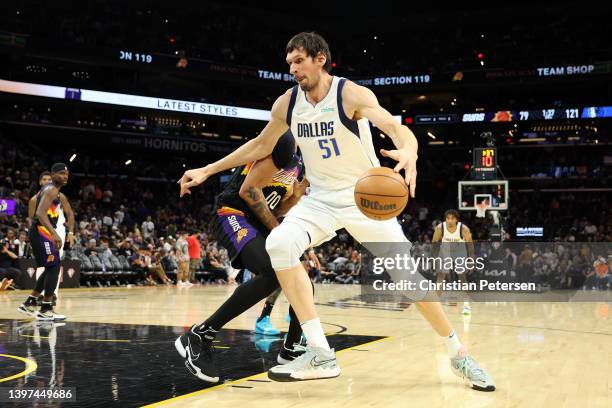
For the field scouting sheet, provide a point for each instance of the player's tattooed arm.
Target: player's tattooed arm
(256, 201)
(251, 191)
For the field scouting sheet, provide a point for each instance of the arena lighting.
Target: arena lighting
(127, 163)
(533, 139)
(73, 157)
(137, 101)
(431, 135)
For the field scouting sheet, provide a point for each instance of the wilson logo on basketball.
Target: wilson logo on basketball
(375, 205)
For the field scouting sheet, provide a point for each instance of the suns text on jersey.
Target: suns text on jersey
(316, 129)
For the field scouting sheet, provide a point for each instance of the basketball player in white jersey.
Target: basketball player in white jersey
(64, 209)
(455, 240)
(329, 117)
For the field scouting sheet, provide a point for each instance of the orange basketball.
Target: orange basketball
(381, 193)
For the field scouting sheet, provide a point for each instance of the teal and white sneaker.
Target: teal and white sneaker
(264, 327)
(316, 363)
(465, 367)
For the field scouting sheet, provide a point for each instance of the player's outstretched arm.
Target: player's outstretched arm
(251, 190)
(359, 102)
(254, 149)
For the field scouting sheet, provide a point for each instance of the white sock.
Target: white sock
(314, 333)
(453, 344)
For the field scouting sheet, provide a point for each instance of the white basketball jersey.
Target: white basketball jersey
(61, 222)
(448, 236)
(336, 149)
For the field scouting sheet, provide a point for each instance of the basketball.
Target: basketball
(381, 193)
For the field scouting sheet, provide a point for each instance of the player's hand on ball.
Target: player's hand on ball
(406, 159)
(192, 178)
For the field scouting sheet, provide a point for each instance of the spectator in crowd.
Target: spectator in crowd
(125, 248)
(24, 249)
(106, 254)
(511, 260)
(91, 248)
(169, 261)
(195, 256)
(214, 265)
(599, 276)
(138, 263)
(9, 268)
(344, 276)
(148, 228)
(354, 265)
(182, 257)
(313, 265)
(154, 266)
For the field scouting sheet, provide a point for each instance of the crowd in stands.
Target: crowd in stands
(130, 230)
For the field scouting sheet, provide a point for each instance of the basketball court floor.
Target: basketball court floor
(118, 346)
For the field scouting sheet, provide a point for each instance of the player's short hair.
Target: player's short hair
(43, 174)
(284, 150)
(313, 44)
(454, 213)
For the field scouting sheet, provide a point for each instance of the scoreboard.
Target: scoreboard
(484, 165)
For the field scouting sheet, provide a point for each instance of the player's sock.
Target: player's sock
(267, 310)
(453, 344)
(314, 333)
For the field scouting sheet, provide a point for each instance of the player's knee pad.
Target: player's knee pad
(286, 244)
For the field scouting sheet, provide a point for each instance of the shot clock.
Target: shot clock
(485, 163)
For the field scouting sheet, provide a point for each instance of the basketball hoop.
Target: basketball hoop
(481, 208)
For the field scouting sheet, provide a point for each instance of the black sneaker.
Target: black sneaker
(28, 309)
(287, 355)
(197, 350)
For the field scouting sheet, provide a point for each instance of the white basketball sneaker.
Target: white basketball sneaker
(465, 367)
(316, 363)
